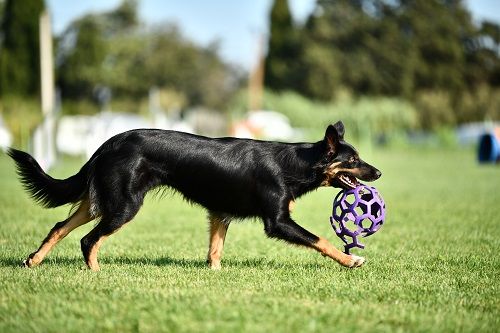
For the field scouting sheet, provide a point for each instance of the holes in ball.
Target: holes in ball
(361, 209)
(367, 196)
(364, 207)
(337, 211)
(348, 215)
(350, 226)
(375, 209)
(366, 224)
(350, 198)
(348, 239)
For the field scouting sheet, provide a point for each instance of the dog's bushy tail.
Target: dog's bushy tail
(45, 190)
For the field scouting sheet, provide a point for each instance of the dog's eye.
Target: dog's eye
(353, 159)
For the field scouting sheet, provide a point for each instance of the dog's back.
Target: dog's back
(225, 175)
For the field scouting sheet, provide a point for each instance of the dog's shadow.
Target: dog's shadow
(259, 263)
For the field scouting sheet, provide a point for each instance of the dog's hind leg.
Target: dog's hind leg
(218, 228)
(109, 224)
(91, 243)
(58, 232)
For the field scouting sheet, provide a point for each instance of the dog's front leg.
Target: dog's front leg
(282, 226)
(328, 250)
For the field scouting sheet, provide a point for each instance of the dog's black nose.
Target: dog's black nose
(378, 174)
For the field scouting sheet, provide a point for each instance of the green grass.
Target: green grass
(434, 266)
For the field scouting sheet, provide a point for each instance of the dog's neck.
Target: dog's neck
(304, 176)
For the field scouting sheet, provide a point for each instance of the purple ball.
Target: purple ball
(357, 212)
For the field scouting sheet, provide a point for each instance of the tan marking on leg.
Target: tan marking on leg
(331, 251)
(218, 230)
(291, 205)
(92, 262)
(80, 217)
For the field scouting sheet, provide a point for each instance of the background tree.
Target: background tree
(437, 30)
(484, 56)
(80, 58)
(281, 69)
(19, 57)
(2, 7)
(112, 49)
(428, 52)
(83, 52)
(123, 18)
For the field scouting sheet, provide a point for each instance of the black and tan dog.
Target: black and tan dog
(231, 178)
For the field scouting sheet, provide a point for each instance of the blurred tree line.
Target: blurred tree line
(115, 51)
(19, 52)
(429, 52)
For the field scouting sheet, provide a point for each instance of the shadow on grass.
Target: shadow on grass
(11, 262)
(52, 261)
(260, 263)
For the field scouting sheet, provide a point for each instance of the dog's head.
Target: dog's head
(341, 165)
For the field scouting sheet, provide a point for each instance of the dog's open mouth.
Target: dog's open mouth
(347, 180)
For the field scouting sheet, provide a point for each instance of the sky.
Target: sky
(237, 25)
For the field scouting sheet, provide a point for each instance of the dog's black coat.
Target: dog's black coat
(228, 176)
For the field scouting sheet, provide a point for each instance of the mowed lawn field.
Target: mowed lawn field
(433, 267)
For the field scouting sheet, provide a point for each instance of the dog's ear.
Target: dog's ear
(339, 126)
(334, 134)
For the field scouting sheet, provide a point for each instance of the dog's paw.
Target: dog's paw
(356, 261)
(27, 263)
(30, 261)
(215, 265)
